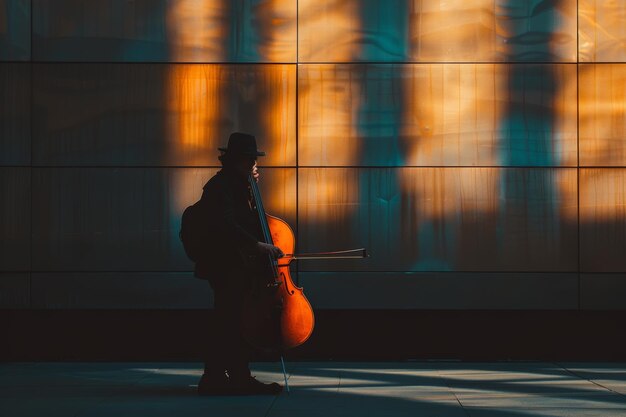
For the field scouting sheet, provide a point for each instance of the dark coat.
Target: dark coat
(234, 229)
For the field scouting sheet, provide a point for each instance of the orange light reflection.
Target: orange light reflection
(277, 30)
(326, 107)
(602, 118)
(328, 34)
(451, 114)
(279, 116)
(327, 115)
(193, 112)
(602, 121)
(603, 195)
(451, 192)
(457, 30)
(602, 33)
(196, 30)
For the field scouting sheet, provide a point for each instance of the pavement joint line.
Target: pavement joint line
(338, 383)
(445, 380)
(589, 380)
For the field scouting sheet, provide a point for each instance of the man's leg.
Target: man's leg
(214, 380)
(238, 355)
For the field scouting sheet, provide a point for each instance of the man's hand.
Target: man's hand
(255, 172)
(267, 249)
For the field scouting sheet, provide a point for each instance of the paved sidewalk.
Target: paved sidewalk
(319, 389)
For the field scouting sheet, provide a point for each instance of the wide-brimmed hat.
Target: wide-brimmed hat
(242, 144)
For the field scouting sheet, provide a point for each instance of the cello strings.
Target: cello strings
(258, 202)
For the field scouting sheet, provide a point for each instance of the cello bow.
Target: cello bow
(341, 254)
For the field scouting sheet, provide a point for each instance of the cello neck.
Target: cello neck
(258, 202)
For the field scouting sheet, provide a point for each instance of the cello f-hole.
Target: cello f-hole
(282, 276)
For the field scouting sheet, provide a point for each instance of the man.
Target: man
(234, 242)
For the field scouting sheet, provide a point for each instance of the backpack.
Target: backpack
(194, 233)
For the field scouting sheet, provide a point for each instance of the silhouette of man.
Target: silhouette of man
(235, 241)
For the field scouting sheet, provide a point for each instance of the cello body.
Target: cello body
(276, 314)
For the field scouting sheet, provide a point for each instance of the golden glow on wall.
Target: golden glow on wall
(278, 188)
(187, 188)
(602, 30)
(451, 114)
(277, 112)
(328, 196)
(223, 30)
(443, 218)
(277, 26)
(602, 219)
(193, 109)
(453, 127)
(602, 195)
(457, 30)
(327, 32)
(196, 30)
(328, 103)
(440, 193)
(207, 102)
(437, 31)
(326, 127)
(602, 117)
(201, 99)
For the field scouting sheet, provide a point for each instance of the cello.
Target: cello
(277, 315)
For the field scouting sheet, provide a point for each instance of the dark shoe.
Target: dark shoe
(213, 385)
(251, 386)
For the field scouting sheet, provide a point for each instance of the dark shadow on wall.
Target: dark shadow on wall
(15, 30)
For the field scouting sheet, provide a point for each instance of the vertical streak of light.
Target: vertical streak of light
(193, 90)
(280, 116)
(450, 114)
(447, 112)
(453, 31)
(277, 26)
(327, 101)
(322, 30)
(197, 30)
(602, 122)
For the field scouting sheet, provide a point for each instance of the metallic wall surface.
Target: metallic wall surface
(450, 291)
(436, 31)
(436, 115)
(476, 148)
(602, 114)
(15, 219)
(603, 219)
(164, 30)
(15, 290)
(434, 219)
(159, 115)
(15, 114)
(124, 219)
(602, 32)
(101, 290)
(15, 30)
